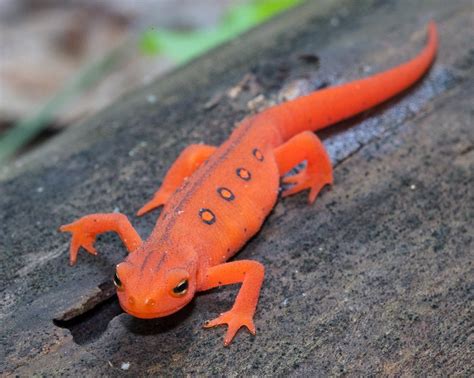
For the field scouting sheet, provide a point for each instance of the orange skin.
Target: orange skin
(215, 199)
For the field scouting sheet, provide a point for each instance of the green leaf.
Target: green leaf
(183, 46)
(149, 42)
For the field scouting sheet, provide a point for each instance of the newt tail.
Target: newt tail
(216, 198)
(331, 105)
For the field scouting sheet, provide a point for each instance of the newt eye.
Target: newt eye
(118, 284)
(180, 289)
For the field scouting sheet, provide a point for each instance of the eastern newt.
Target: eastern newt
(216, 198)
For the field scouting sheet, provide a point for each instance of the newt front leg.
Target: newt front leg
(185, 165)
(85, 230)
(250, 273)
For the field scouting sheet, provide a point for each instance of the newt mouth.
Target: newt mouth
(150, 314)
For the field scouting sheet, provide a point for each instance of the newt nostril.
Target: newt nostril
(149, 302)
(131, 300)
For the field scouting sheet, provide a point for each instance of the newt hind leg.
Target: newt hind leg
(185, 165)
(318, 171)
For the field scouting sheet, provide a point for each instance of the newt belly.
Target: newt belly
(216, 198)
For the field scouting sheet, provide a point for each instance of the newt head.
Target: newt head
(157, 284)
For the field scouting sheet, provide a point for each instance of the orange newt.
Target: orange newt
(216, 198)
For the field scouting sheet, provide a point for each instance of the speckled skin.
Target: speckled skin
(237, 220)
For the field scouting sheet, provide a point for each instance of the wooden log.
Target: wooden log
(375, 277)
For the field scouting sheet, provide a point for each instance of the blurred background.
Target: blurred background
(62, 60)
